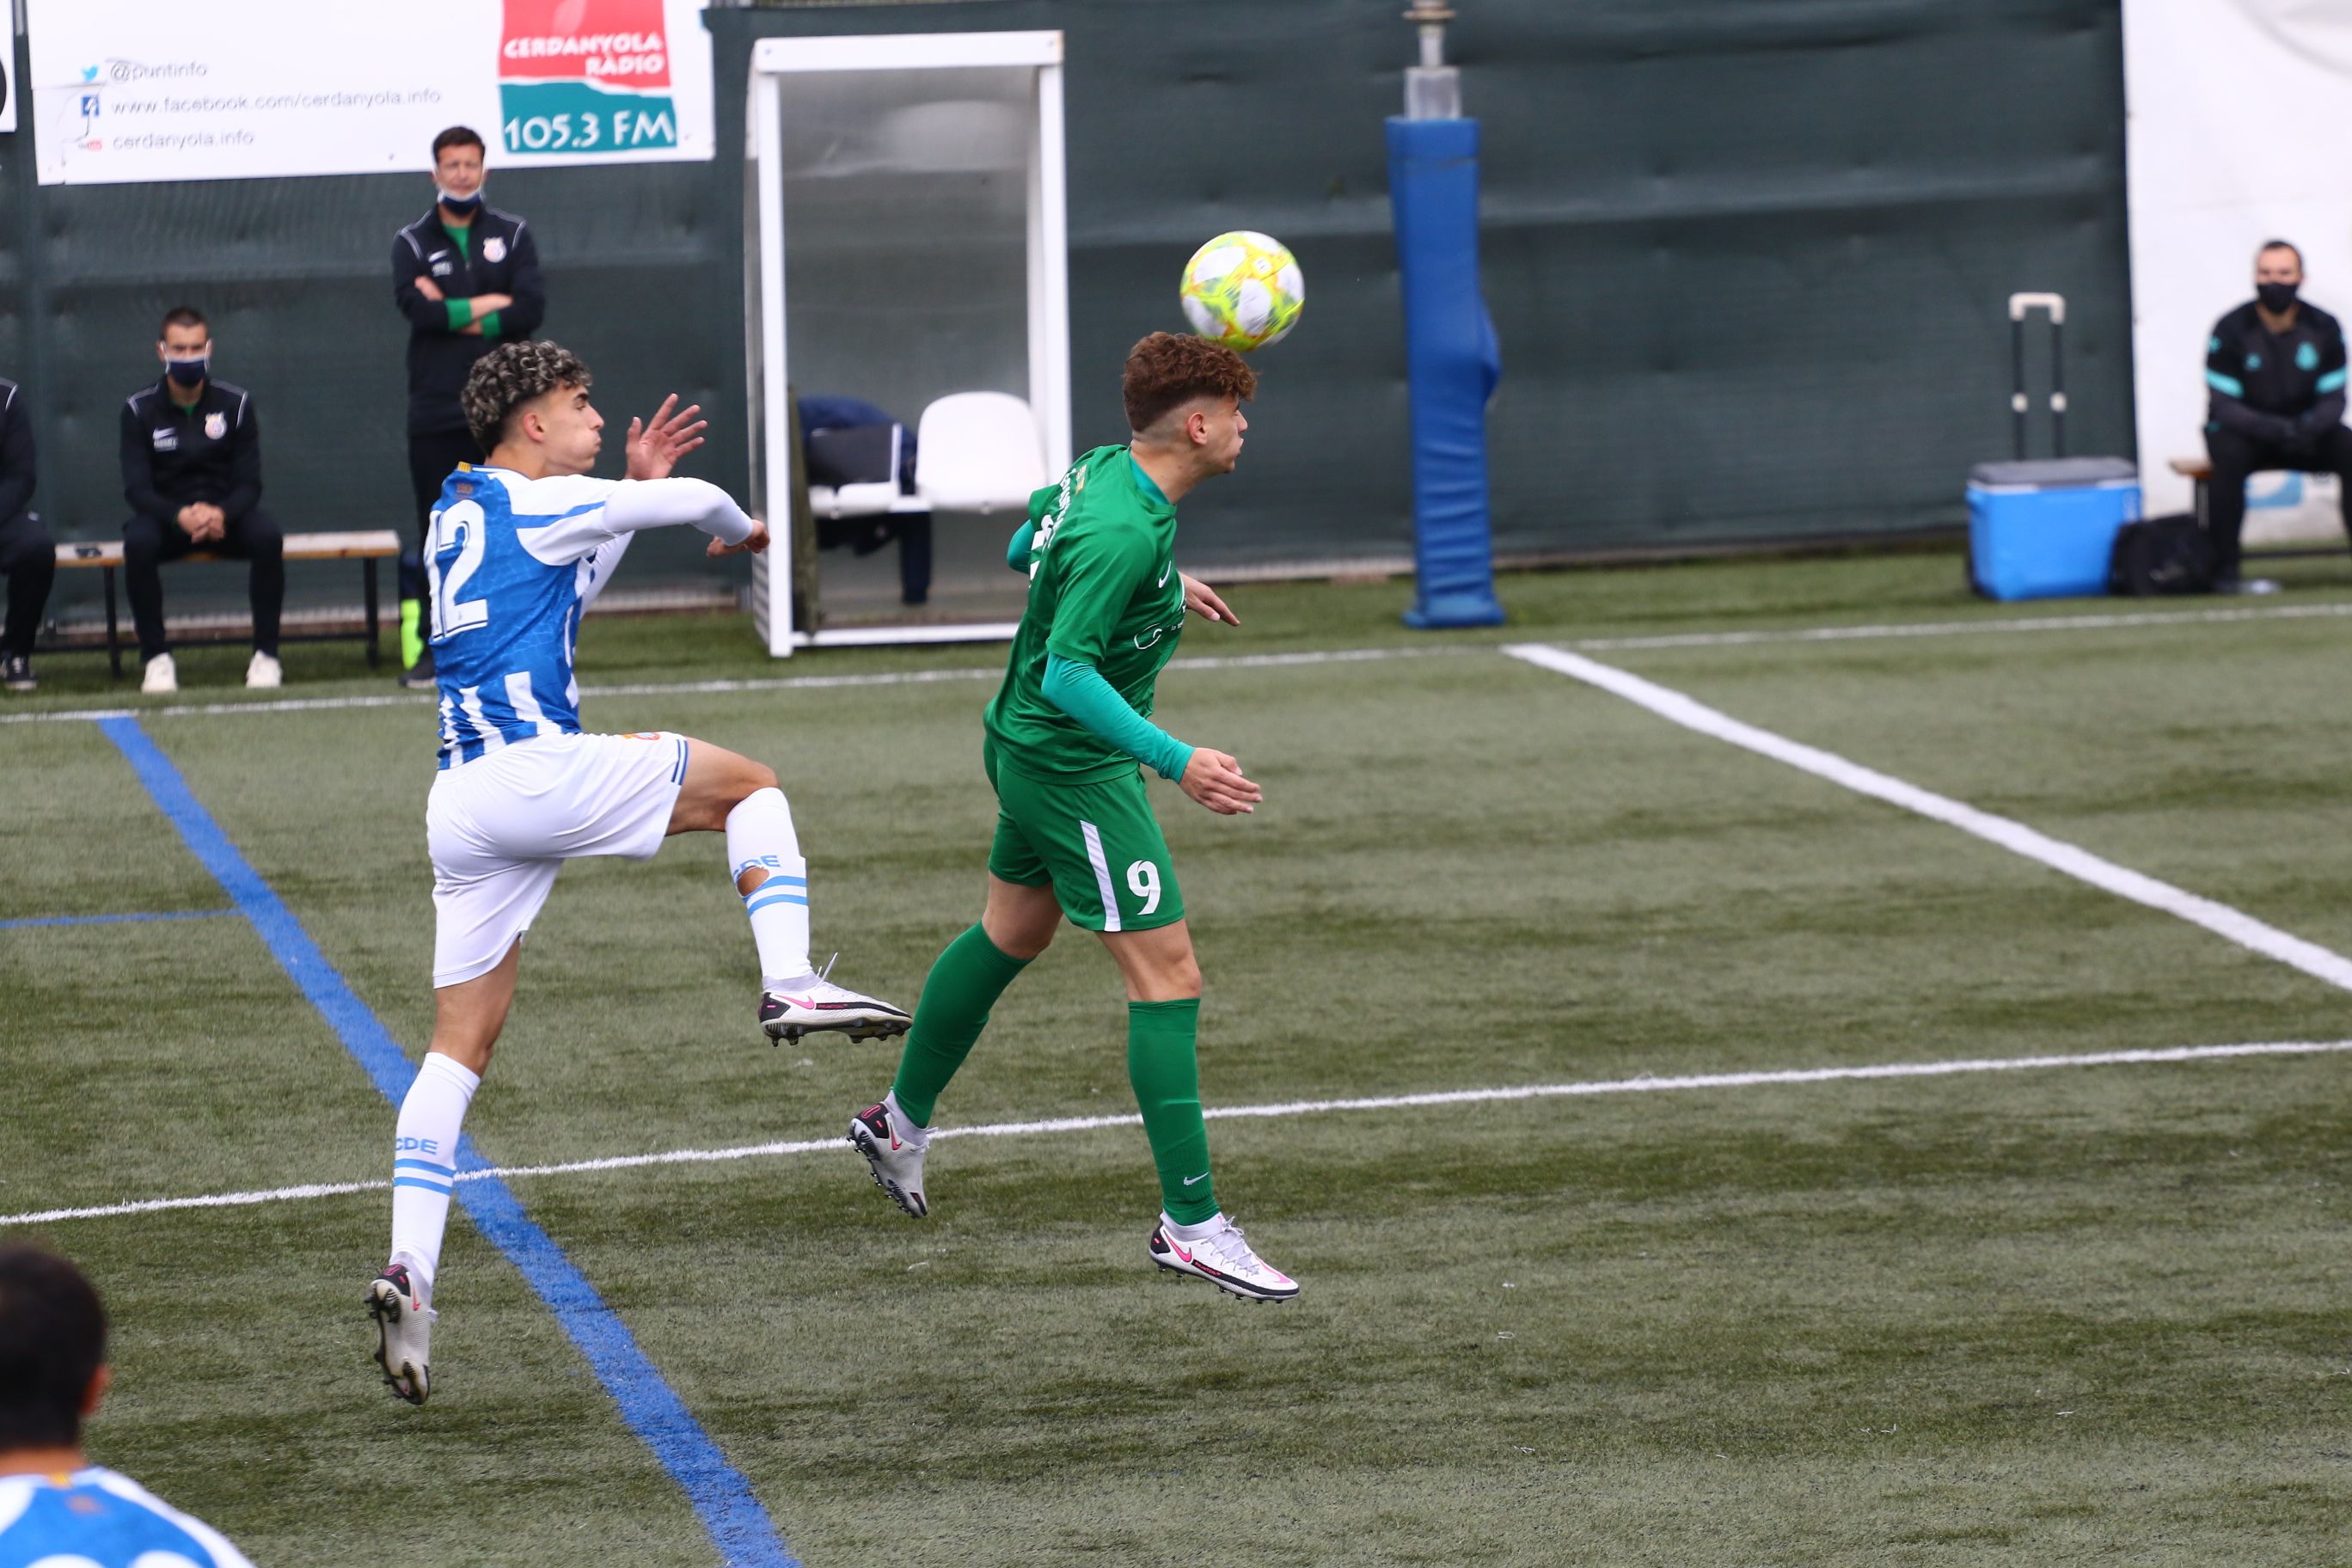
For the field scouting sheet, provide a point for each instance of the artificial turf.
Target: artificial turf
(2084, 1314)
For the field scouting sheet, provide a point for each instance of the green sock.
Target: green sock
(412, 632)
(1164, 1068)
(957, 995)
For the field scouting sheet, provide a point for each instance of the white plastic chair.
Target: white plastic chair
(978, 451)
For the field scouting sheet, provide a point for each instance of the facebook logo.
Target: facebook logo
(89, 106)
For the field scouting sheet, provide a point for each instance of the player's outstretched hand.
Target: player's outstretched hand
(756, 542)
(656, 447)
(1203, 601)
(1215, 780)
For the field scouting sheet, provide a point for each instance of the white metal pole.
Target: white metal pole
(776, 468)
(1049, 275)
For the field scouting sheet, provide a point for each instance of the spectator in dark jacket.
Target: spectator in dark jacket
(467, 276)
(27, 555)
(2275, 373)
(192, 472)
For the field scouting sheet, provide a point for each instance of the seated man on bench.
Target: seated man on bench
(2274, 369)
(27, 557)
(192, 471)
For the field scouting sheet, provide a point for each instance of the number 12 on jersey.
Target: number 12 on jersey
(463, 527)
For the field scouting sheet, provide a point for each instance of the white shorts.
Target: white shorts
(501, 826)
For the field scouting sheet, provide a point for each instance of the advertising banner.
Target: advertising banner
(2216, 167)
(7, 90)
(134, 91)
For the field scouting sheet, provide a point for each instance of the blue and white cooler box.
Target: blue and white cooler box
(2045, 529)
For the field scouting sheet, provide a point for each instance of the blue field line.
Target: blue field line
(114, 920)
(737, 1522)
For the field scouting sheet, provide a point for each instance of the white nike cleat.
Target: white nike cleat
(897, 1164)
(404, 1333)
(162, 675)
(264, 673)
(822, 1004)
(1224, 1259)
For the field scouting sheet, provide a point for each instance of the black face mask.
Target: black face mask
(186, 372)
(464, 206)
(2277, 298)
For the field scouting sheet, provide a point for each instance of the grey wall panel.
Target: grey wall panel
(1746, 259)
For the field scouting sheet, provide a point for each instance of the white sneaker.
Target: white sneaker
(897, 1164)
(264, 674)
(163, 675)
(404, 1333)
(1224, 1259)
(822, 1004)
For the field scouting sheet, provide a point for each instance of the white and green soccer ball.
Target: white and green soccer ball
(1242, 290)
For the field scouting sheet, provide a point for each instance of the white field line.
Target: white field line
(1963, 629)
(1643, 1084)
(764, 683)
(1257, 661)
(2234, 925)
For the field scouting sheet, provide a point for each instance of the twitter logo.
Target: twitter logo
(90, 73)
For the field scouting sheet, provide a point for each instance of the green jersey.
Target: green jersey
(1103, 591)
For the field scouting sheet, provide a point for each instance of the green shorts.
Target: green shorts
(1097, 844)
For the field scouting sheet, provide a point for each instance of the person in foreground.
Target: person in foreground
(1075, 832)
(56, 1507)
(517, 550)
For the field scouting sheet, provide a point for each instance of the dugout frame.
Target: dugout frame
(775, 63)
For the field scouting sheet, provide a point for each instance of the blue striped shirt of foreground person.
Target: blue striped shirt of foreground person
(58, 1509)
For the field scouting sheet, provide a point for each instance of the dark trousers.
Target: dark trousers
(30, 558)
(147, 544)
(2237, 457)
(865, 535)
(433, 456)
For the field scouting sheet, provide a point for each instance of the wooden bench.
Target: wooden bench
(366, 547)
(2198, 472)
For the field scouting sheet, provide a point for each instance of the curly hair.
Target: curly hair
(510, 375)
(1165, 371)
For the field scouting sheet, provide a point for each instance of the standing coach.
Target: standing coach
(467, 276)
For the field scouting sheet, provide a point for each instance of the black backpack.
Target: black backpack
(2161, 556)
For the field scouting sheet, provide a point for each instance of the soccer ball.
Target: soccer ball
(1242, 290)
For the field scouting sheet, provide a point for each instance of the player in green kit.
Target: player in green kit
(1075, 833)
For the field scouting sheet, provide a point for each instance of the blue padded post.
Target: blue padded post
(1452, 363)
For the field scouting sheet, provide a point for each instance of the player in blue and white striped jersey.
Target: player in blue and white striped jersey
(58, 1509)
(517, 550)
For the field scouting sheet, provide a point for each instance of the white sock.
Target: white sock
(760, 837)
(907, 1131)
(425, 1163)
(1201, 1232)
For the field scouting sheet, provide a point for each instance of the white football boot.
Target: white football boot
(264, 673)
(404, 1333)
(1225, 1259)
(878, 1133)
(162, 675)
(819, 1003)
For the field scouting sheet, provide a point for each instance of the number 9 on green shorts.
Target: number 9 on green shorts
(1097, 843)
